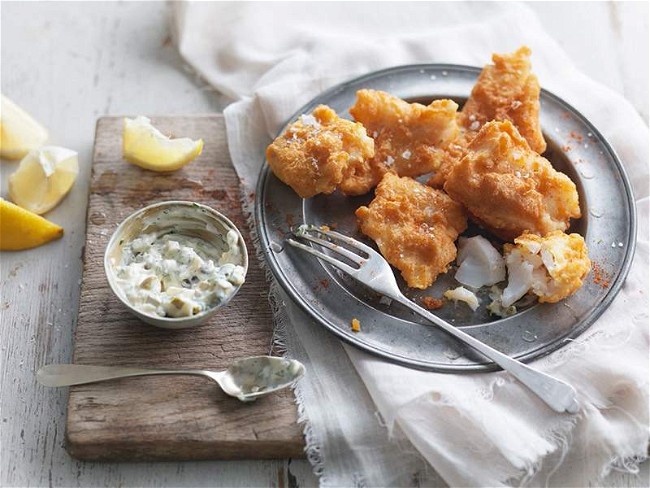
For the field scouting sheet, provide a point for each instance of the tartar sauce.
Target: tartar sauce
(175, 275)
(260, 374)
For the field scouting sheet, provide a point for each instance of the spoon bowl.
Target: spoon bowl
(251, 377)
(246, 379)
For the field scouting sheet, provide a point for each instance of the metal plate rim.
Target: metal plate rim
(295, 296)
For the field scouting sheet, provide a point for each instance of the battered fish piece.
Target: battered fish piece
(553, 267)
(508, 188)
(319, 152)
(414, 226)
(410, 138)
(507, 90)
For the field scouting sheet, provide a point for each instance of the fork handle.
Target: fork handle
(557, 394)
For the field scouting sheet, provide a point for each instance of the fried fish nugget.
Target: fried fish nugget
(414, 226)
(553, 266)
(507, 90)
(318, 151)
(410, 138)
(508, 188)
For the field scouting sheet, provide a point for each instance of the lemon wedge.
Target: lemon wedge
(147, 147)
(43, 178)
(22, 229)
(19, 132)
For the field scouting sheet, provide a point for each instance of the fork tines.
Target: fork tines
(333, 241)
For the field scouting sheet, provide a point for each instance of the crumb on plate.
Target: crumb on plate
(356, 325)
(431, 303)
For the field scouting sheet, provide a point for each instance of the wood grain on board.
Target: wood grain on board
(170, 417)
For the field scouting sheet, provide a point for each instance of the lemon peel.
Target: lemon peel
(43, 178)
(19, 132)
(21, 229)
(147, 147)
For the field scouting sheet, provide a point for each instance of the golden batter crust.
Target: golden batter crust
(414, 226)
(508, 188)
(319, 152)
(410, 138)
(505, 90)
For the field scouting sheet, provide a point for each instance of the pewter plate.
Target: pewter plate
(388, 330)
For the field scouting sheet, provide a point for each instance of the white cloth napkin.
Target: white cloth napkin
(484, 429)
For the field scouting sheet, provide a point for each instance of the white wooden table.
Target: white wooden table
(70, 63)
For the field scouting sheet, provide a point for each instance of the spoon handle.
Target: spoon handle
(79, 374)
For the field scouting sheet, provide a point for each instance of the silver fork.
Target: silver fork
(374, 271)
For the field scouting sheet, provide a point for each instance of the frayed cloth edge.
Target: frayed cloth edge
(279, 340)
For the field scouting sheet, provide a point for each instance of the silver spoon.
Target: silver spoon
(245, 379)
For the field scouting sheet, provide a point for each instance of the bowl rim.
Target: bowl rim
(171, 322)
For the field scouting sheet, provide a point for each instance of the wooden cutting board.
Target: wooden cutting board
(170, 417)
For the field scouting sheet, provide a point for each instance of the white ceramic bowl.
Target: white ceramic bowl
(185, 218)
